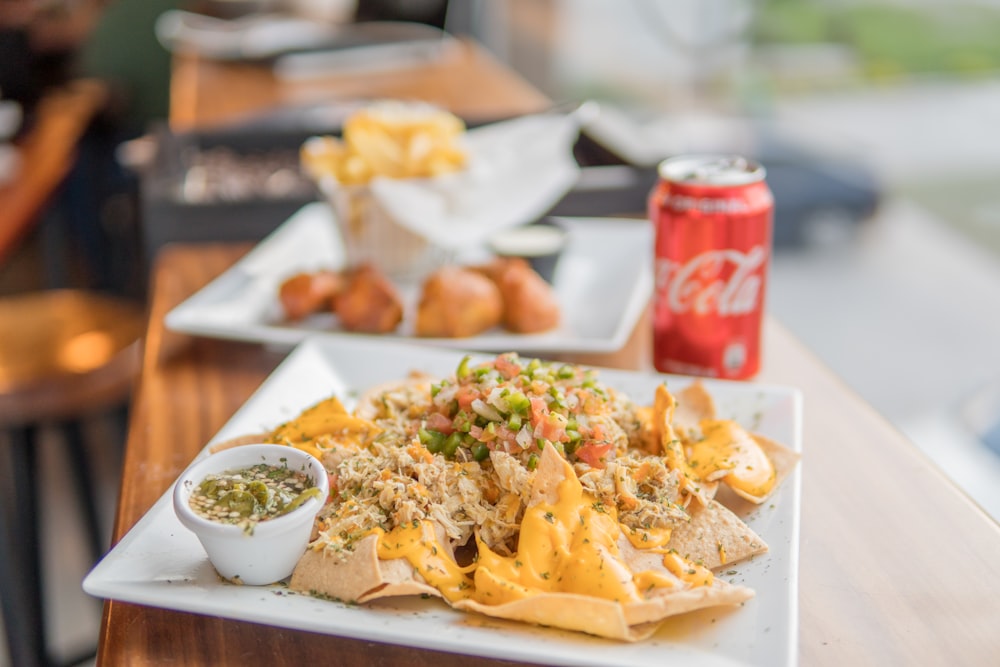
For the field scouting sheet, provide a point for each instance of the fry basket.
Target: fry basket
(371, 236)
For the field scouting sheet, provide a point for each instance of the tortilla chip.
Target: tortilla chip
(694, 404)
(628, 621)
(569, 611)
(603, 618)
(551, 471)
(705, 491)
(359, 576)
(784, 459)
(715, 537)
(646, 434)
(664, 603)
(672, 450)
(400, 589)
(239, 441)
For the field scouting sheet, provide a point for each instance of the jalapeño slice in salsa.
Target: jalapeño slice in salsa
(247, 496)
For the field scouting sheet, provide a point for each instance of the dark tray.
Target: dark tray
(806, 187)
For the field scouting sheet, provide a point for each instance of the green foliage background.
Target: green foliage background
(952, 38)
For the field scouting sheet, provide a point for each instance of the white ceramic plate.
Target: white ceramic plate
(159, 563)
(603, 283)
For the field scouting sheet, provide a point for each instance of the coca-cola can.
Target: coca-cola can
(712, 217)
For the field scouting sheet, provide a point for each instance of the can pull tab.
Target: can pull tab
(712, 171)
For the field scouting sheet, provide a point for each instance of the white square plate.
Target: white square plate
(603, 283)
(159, 563)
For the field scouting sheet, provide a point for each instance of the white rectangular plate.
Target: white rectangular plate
(603, 283)
(160, 563)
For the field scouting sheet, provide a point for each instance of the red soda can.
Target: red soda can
(712, 217)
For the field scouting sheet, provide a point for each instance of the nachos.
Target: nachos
(532, 491)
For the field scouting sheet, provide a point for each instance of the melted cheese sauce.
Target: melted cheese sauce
(567, 547)
(418, 544)
(665, 404)
(570, 546)
(647, 538)
(728, 447)
(690, 573)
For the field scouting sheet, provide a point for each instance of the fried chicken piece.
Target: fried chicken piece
(529, 303)
(306, 293)
(456, 303)
(369, 303)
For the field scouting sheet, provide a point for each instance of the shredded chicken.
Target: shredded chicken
(512, 476)
(642, 488)
(396, 479)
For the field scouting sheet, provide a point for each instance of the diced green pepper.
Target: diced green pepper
(480, 451)
(451, 444)
(519, 403)
(436, 442)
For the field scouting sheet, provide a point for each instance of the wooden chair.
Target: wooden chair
(65, 356)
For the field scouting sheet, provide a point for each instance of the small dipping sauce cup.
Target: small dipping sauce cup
(265, 551)
(539, 243)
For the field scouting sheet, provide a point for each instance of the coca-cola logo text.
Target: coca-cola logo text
(706, 205)
(700, 285)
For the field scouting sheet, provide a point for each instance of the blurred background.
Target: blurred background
(846, 103)
(877, 122)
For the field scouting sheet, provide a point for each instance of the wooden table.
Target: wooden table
(897, 566)
(466, 79)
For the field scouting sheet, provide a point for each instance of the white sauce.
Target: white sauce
(529, 241)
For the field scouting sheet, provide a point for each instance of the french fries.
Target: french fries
(393, 140)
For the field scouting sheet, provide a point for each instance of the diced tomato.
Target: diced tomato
(539, 409)
(507, 367)
(438, 422)
(504, 434)
(465, 395)
(594, 454)
(589, 403)
(597, 431)
(552, 428)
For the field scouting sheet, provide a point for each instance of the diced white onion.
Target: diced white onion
(497, 400)
(486, 411)
(446, 395)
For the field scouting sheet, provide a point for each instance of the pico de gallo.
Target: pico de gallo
(521, 406)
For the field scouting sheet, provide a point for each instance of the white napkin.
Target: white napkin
(517, 170)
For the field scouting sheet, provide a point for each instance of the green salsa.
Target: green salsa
(247, 496)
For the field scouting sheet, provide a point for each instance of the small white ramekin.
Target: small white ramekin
(271, 552)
